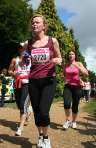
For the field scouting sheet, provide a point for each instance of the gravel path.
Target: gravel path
(83, 137)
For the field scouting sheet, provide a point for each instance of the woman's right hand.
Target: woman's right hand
(56, 61)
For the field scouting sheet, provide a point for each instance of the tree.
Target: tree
(79, 55)
(92, 77)
(14, 18)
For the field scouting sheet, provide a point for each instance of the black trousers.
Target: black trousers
(72, 96)
(21, 97)
(41, 92)
(3, 92)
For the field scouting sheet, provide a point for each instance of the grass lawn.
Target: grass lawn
(10, 104)
(13, 104)
(91, 107)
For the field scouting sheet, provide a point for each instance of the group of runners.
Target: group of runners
(35, 78)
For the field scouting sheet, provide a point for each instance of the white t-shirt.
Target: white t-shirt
(87, 86)
(22, 69)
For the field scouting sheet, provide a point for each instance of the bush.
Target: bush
(91, 107)
(59, 87)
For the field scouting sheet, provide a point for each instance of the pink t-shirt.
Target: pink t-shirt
(72, 75)
(41, 57)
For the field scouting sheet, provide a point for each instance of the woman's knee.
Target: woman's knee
(66, 106)
(75, 108)
(42, 119)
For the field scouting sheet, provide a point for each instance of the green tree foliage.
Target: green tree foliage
(92, 77)
(79, 55)
(14, 18)
(14, 21)
(76, 45)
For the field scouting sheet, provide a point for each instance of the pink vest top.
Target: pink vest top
(72, 75)
(41, 65)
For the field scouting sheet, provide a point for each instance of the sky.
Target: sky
(81, 16)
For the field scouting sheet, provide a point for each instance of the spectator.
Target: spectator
(4, 81)
(87, 90)
(93, 90)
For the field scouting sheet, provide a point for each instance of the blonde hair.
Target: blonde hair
(43, 18)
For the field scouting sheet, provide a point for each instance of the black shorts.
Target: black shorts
(22, 98)
(72, 96)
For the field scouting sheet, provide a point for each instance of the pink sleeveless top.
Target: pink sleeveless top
(41, 65)
(72, 75)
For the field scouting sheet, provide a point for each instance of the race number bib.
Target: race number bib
(40, 55)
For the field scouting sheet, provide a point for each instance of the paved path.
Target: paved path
(83, 137)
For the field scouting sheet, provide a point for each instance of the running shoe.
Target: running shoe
(46, 143)
(66, 124)
(74, 125)
(18, 132)
(1, 140)
(40, 142)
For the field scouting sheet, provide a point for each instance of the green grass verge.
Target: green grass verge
(58, 99)
(90, 107)
(10, 104)
(13, 104)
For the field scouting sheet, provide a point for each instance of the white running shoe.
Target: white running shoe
(40, 142)
(66, 124)
(46, 143)
(74, 125)
(1, 140)
(18, 132)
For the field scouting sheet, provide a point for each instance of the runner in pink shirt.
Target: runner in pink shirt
(72, 91)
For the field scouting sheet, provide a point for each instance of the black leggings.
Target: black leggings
(72, 96)
(41, 93)
(22, 98)
(87, 94)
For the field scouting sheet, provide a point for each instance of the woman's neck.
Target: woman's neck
(40, 36)
(71, 62)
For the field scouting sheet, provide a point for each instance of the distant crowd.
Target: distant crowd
(6, 87)
(88, 91)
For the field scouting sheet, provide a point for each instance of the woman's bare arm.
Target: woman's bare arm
(81, 67)
(57, 59)
(11, 69)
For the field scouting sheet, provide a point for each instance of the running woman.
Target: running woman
(19, 69)
(45, 54)
(72, 91)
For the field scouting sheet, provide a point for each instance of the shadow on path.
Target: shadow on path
(89, 144)
(89, 130)
(10, 124)
(22, 141)
(90, 126)
(91, 118)
(55, 126)
(86, 124)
